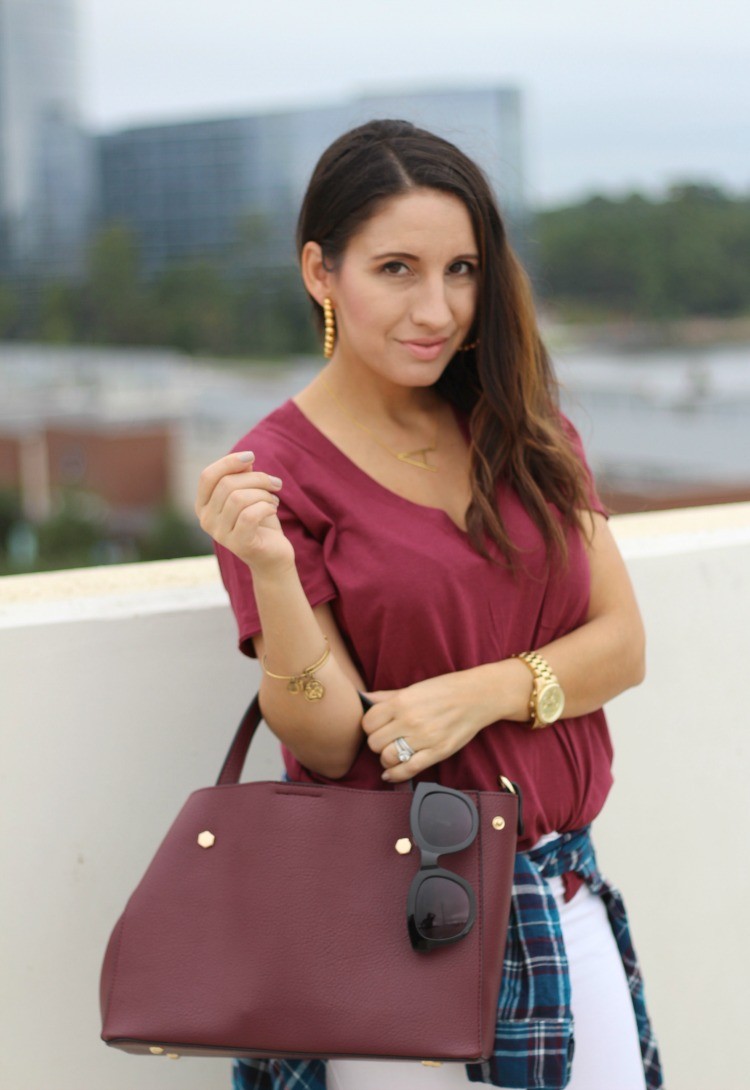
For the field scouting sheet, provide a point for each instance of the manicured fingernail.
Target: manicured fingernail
(245, 455)
(275, 481)
(386, 776)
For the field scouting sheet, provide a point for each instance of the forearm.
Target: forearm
(324, 734)
(593, 664)
(238, 505)
(439, 716)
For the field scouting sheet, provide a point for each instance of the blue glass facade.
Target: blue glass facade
(232, 187)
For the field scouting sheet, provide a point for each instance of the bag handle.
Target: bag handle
(235, 758)
(234, 761)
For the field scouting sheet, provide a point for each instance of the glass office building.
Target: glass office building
(220, 189)
(231, 188)
(46, 166)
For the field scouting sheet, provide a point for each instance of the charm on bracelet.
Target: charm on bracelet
(305, 682)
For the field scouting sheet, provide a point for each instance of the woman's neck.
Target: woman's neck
(372, 398)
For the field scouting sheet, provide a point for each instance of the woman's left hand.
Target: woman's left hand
(435, 717)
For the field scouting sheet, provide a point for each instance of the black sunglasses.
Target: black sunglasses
(441, 906)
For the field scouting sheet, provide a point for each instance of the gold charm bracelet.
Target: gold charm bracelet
(304, 682)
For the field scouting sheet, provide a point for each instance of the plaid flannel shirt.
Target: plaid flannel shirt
(534, 1040)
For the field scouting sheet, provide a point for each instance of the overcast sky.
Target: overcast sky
(638, 93)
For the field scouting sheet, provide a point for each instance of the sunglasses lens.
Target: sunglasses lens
(442, 908)
(444, 820)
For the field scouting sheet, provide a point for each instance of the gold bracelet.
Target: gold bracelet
(304, 682)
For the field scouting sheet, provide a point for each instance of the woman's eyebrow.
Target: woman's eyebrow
(395, 253)
(415, 257)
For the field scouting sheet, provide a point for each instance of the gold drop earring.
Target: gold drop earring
(330, 328)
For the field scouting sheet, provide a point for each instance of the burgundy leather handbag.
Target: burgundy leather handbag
(273, 921)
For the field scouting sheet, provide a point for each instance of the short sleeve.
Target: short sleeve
(310, 531)
(589, 482)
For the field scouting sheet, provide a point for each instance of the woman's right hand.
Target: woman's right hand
(238, 507)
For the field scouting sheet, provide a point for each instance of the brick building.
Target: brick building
(125, 467)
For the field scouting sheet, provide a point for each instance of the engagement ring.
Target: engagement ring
(404, 750)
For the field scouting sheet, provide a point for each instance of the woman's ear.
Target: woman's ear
(316, 277)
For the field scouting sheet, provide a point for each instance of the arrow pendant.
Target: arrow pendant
(410, 457)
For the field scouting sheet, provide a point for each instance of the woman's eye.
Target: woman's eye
(395, 268)
(462, 268)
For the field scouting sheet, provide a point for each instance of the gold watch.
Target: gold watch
(547, 698)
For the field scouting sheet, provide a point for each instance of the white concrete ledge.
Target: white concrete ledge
(120, 689)
(114, 590)
(683, 530)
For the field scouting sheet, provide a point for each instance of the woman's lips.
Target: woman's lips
(425, 350)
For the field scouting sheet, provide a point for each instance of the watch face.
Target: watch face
(550, 703)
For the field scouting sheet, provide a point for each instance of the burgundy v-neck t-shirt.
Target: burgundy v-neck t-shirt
(413, 600)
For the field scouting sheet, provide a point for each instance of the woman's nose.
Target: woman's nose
(431, 307)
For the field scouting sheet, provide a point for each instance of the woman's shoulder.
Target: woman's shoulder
(281, 434)
(573, 435)
(569, 429)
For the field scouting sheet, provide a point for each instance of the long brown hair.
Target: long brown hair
(506, 382)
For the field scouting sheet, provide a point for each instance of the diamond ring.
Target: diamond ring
(404, 750)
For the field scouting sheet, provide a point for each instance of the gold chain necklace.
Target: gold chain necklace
(408, 456)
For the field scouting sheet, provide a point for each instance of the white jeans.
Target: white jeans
(607, 1053)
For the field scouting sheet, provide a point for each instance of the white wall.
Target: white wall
(120, 690)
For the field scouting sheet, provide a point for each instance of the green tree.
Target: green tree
(59, 313)
(10, 514)
(10, 311)
(69, 538)
(171, 536)
(273, 314)
(195, 308)
(683, 255)
(117, 303)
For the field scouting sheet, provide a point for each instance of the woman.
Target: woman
(419, 523)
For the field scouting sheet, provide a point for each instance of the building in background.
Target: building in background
(124, 464)
(47, 194)
(231, 188)
(225, 190)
